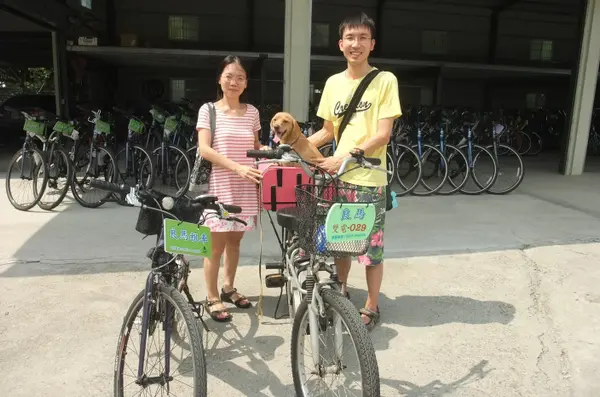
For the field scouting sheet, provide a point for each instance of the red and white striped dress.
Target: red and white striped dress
(234, 136)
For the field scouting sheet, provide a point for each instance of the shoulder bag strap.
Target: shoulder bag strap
(360, 90)
(212, 116)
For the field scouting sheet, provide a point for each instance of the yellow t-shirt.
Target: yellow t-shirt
(381, 100)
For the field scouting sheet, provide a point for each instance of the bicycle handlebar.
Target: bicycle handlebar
(149, 198)
(284, 153)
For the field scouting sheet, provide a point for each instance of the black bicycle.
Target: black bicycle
(161, 302)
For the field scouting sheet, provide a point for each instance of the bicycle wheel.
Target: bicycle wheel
(408, 170)
(60, 174)
(390, 167)
(173, 171)
(339, 312)
(136, 167)
(434, 170)
(99, 164)
(510, 165)
(458, 170)
(483, 170)
(525, 144)
(326, 150)
(27, 165)
(536, 144)
(194, 364)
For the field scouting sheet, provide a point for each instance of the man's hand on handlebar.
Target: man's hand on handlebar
(331, 164)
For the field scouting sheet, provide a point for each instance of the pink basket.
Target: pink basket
(279, 186)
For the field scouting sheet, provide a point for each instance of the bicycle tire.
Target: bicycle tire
(430, 190)
(476, 156)
(498, 168)
(525, 144)
(408, 151)
(147, 160)
(358, 332)
(11, 164)
(197, 346)
(536, 144)
(456, 154)
(326, 150)
(182, 186)
(112, 178)
(390, 167)
(69, 174)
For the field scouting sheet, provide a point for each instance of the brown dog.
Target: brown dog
(287, 131)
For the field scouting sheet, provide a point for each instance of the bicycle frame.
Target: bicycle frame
(295, 263)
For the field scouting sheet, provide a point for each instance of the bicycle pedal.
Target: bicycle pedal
(275, 280)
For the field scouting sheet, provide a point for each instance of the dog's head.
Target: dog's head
(285, 128)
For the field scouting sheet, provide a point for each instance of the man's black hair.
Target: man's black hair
(355, 21)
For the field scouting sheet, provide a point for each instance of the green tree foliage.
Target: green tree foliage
(27, 80)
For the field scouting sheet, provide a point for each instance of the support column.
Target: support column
(61, 84)
(296, 63)
(585, 91)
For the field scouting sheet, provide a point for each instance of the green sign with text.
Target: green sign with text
(349, 222)
(187, 238)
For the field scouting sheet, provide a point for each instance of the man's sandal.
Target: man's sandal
(242, 302)
(373, 317)
(219, 315)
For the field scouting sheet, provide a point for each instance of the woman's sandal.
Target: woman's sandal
(217, 314)
(226, 297)
(373, 317)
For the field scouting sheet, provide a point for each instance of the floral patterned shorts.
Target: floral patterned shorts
(221, 225)
(374, 255)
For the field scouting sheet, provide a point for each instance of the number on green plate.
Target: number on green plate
(349, 222)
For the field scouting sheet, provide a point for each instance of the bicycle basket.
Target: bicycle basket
(314, 203)
(150, 221)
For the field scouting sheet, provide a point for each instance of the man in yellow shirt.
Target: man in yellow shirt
(369, 129)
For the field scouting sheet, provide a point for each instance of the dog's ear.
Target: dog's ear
(297, 130)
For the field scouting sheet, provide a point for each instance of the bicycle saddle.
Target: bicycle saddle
(288, 218)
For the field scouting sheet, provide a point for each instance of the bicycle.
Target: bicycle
(161, 302)
(31, 163)
(309, 296)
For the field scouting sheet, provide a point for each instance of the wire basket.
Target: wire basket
(314, 203)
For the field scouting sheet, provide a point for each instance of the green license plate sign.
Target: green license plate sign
(102, 127)
(34, 127)
(135, 126)
(187, 238)
(171, 124)
(349, 222)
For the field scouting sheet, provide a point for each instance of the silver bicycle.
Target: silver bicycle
(321, 313)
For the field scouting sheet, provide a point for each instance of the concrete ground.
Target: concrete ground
(482, 296)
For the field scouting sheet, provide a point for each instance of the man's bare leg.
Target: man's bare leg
(343, 269)
(374, 275)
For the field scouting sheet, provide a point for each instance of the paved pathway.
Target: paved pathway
(483, 296)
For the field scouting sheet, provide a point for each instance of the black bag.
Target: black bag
(202, 168)
(360, 90)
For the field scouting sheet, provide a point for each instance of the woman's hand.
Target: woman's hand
(249, 173)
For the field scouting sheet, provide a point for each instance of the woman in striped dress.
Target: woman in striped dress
(233, 180)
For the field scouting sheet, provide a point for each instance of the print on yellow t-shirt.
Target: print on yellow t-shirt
(381, 100)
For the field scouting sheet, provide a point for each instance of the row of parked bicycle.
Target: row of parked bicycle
(60, 155)
(431, 152)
